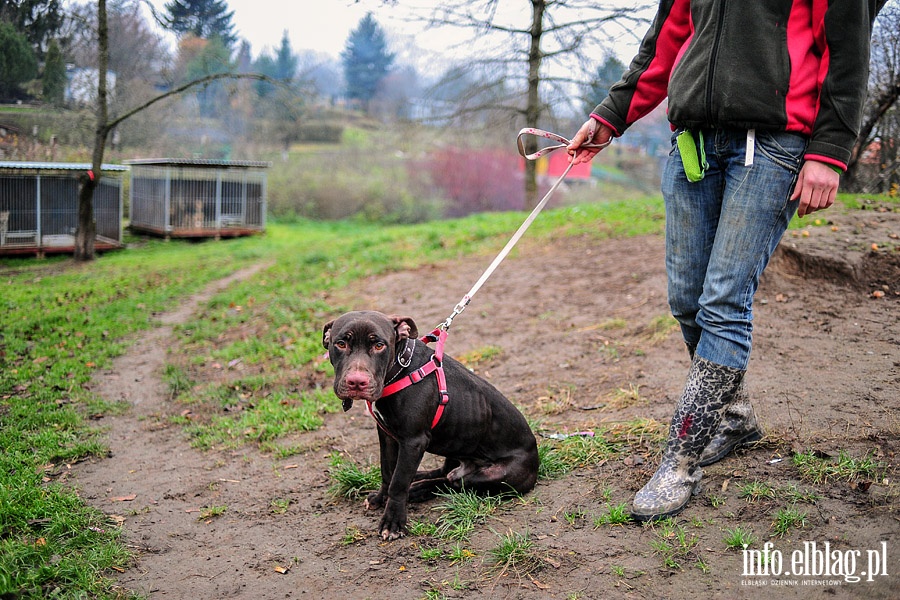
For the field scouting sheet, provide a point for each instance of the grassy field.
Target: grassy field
(61, 322)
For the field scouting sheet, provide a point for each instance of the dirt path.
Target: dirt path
(576, 324)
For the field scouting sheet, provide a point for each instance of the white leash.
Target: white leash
(563, 142)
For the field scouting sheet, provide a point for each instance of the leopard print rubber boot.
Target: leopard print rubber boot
(739, 425)
(709, 389)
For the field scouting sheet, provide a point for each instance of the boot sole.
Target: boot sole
(753, 436)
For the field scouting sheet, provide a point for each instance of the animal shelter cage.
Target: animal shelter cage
(39, 207)
(198, 198)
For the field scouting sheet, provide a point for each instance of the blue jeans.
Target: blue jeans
(721, 232)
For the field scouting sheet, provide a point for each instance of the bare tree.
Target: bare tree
(874, 161)
(86, 229)
(540, 58)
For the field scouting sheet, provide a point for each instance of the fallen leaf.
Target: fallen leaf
(128, 498)
(540, 585)
(40, 359)
(291, 466)
(282, 570)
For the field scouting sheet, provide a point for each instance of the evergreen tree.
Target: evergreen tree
(53, 81)
(202, 18)
(285, 60)
(282, 67)
(199, 58)
(17, 61)
(366, 61)
(37, 20)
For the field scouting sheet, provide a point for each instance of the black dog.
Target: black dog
(488, 445)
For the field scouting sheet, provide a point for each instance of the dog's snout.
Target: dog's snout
(357, 381)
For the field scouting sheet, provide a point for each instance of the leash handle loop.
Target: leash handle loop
(563, 143)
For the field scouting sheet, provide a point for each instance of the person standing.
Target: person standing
(765, 99)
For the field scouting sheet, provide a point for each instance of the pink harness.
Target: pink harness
(434, 365)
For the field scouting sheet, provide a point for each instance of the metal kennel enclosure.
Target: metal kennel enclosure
(39, 207)
(198, 197)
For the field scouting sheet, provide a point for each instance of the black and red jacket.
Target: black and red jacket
(798, 66)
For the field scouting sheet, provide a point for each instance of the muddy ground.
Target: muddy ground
(579, 349)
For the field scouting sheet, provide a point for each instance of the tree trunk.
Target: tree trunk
(86, 231)
(533, 103)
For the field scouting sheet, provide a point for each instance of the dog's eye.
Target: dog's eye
(340, 344)
(379, 346)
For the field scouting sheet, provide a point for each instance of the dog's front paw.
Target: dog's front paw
(393, 522)
(374, 501)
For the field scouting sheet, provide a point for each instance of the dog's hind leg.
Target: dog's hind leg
(441, 473)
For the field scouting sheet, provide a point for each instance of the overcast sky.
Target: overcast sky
(324, 25)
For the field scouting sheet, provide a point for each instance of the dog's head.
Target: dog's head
(362, 346)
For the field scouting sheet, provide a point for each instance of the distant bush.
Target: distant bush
(320, 132)
(349, 183)
(475, 180)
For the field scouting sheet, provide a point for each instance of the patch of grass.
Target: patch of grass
(557, 400)
(756, 491)
(350, 481)
(460, 512)
(279, 506)
(177, 380)
(457, 554)
(614, 515)
(817, 468)
(716, 501)
(430, 554)
(352, 535)
(786, 519)
(211, 512)
(479, 356)
(421, 528)
(515, 554)
(560, 457)
(795, 494)
(660, 328)
(573, 517)
(267, 419)
(638, 434)
(738, 538)
(675, 545)
(625, 396)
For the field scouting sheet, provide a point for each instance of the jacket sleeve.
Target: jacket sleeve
(645, 84)
(844, 31)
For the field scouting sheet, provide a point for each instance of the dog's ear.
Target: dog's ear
(326, 335)
(405, 327)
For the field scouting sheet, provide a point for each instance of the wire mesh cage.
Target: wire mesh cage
(39, 207)
(198, 198)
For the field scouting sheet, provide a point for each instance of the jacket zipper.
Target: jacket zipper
(712, 63)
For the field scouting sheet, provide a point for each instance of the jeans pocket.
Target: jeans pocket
(784, 149)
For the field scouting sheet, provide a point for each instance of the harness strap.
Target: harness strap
(434, 365)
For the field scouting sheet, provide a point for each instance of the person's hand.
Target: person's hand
(592, 132)
(816, 187)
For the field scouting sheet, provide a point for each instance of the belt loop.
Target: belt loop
(751, 147)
